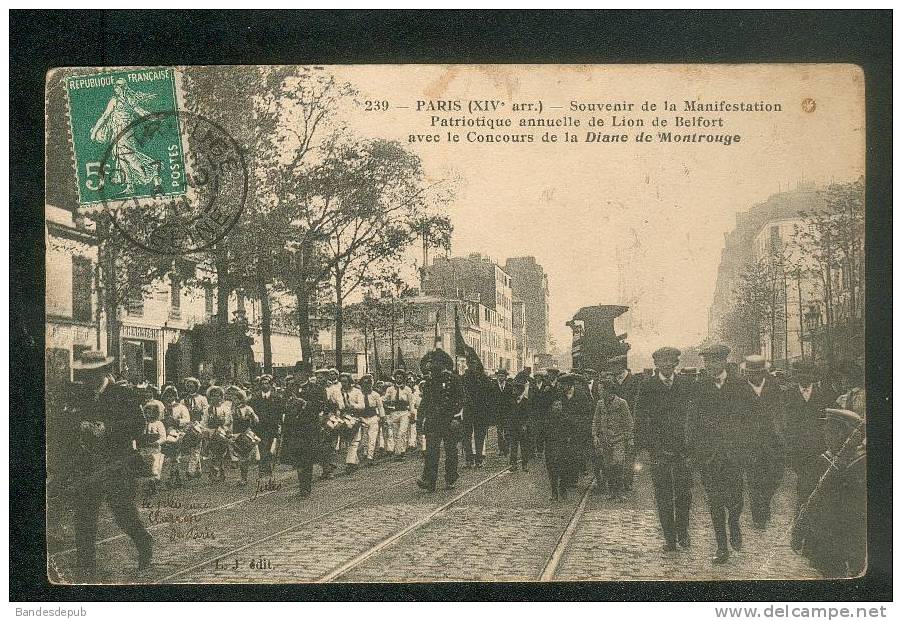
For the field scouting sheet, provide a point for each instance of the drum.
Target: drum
(219, 441)
(194, 433)
(246, 441)
(173, 436)
(348, 422)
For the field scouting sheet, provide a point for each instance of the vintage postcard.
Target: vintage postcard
(430, 323)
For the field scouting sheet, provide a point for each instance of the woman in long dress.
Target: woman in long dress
(130, 166)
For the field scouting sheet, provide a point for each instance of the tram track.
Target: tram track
(390, 540)
(232, 551)
(279, 479)
(554, 561)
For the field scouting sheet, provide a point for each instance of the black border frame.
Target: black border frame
(43, 39)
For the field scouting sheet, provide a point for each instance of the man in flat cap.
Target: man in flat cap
(626, 386)
(831, 528)
(804, 404)
(662, 405)
(107, 462)
(762, 406)
(715, 436)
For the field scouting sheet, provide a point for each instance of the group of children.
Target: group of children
(214, 430)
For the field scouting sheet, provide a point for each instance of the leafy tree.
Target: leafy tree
(830, 243)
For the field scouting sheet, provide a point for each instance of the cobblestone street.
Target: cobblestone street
(377, 526)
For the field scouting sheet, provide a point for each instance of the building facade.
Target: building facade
(478, 279)
(163, 330)
(793, 325)
(529, 284)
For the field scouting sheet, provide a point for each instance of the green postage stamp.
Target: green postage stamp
(118, 154)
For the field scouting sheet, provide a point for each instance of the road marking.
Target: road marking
(283, 531)
(564, 541)
(360, 558)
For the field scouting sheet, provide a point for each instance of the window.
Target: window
(82, 279)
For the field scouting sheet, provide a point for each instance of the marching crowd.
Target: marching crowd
(738, 427)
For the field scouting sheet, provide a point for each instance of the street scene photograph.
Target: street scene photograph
(454, 323)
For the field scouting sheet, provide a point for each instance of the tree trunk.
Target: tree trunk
(222, 355)
(265, 318)
(801, 311)
(366, 349)
(377, 366)
(339, 319)
(302, 294)
(392, 335)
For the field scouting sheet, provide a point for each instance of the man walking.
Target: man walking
(270, 409)
(107, 462)
(762, 406)
(303, 411)
(371, 413)
(661, 409)
(503, 401)
(716, 439)
(804, 404)
(398, 402)
(440, 415)
(626, 386)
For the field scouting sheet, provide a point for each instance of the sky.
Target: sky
(573, 205)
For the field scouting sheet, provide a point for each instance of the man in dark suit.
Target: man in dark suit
(716, 440)
(804, 404)
(107, 462)
(578, 408)
(303, 425)
(762, 405)
(661, 409)
(518, 430)
(270, 409)
(441, 414)
(503, 399)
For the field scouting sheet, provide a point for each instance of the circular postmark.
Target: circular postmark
(175, 182)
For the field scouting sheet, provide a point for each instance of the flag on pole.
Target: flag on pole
(462, 349)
